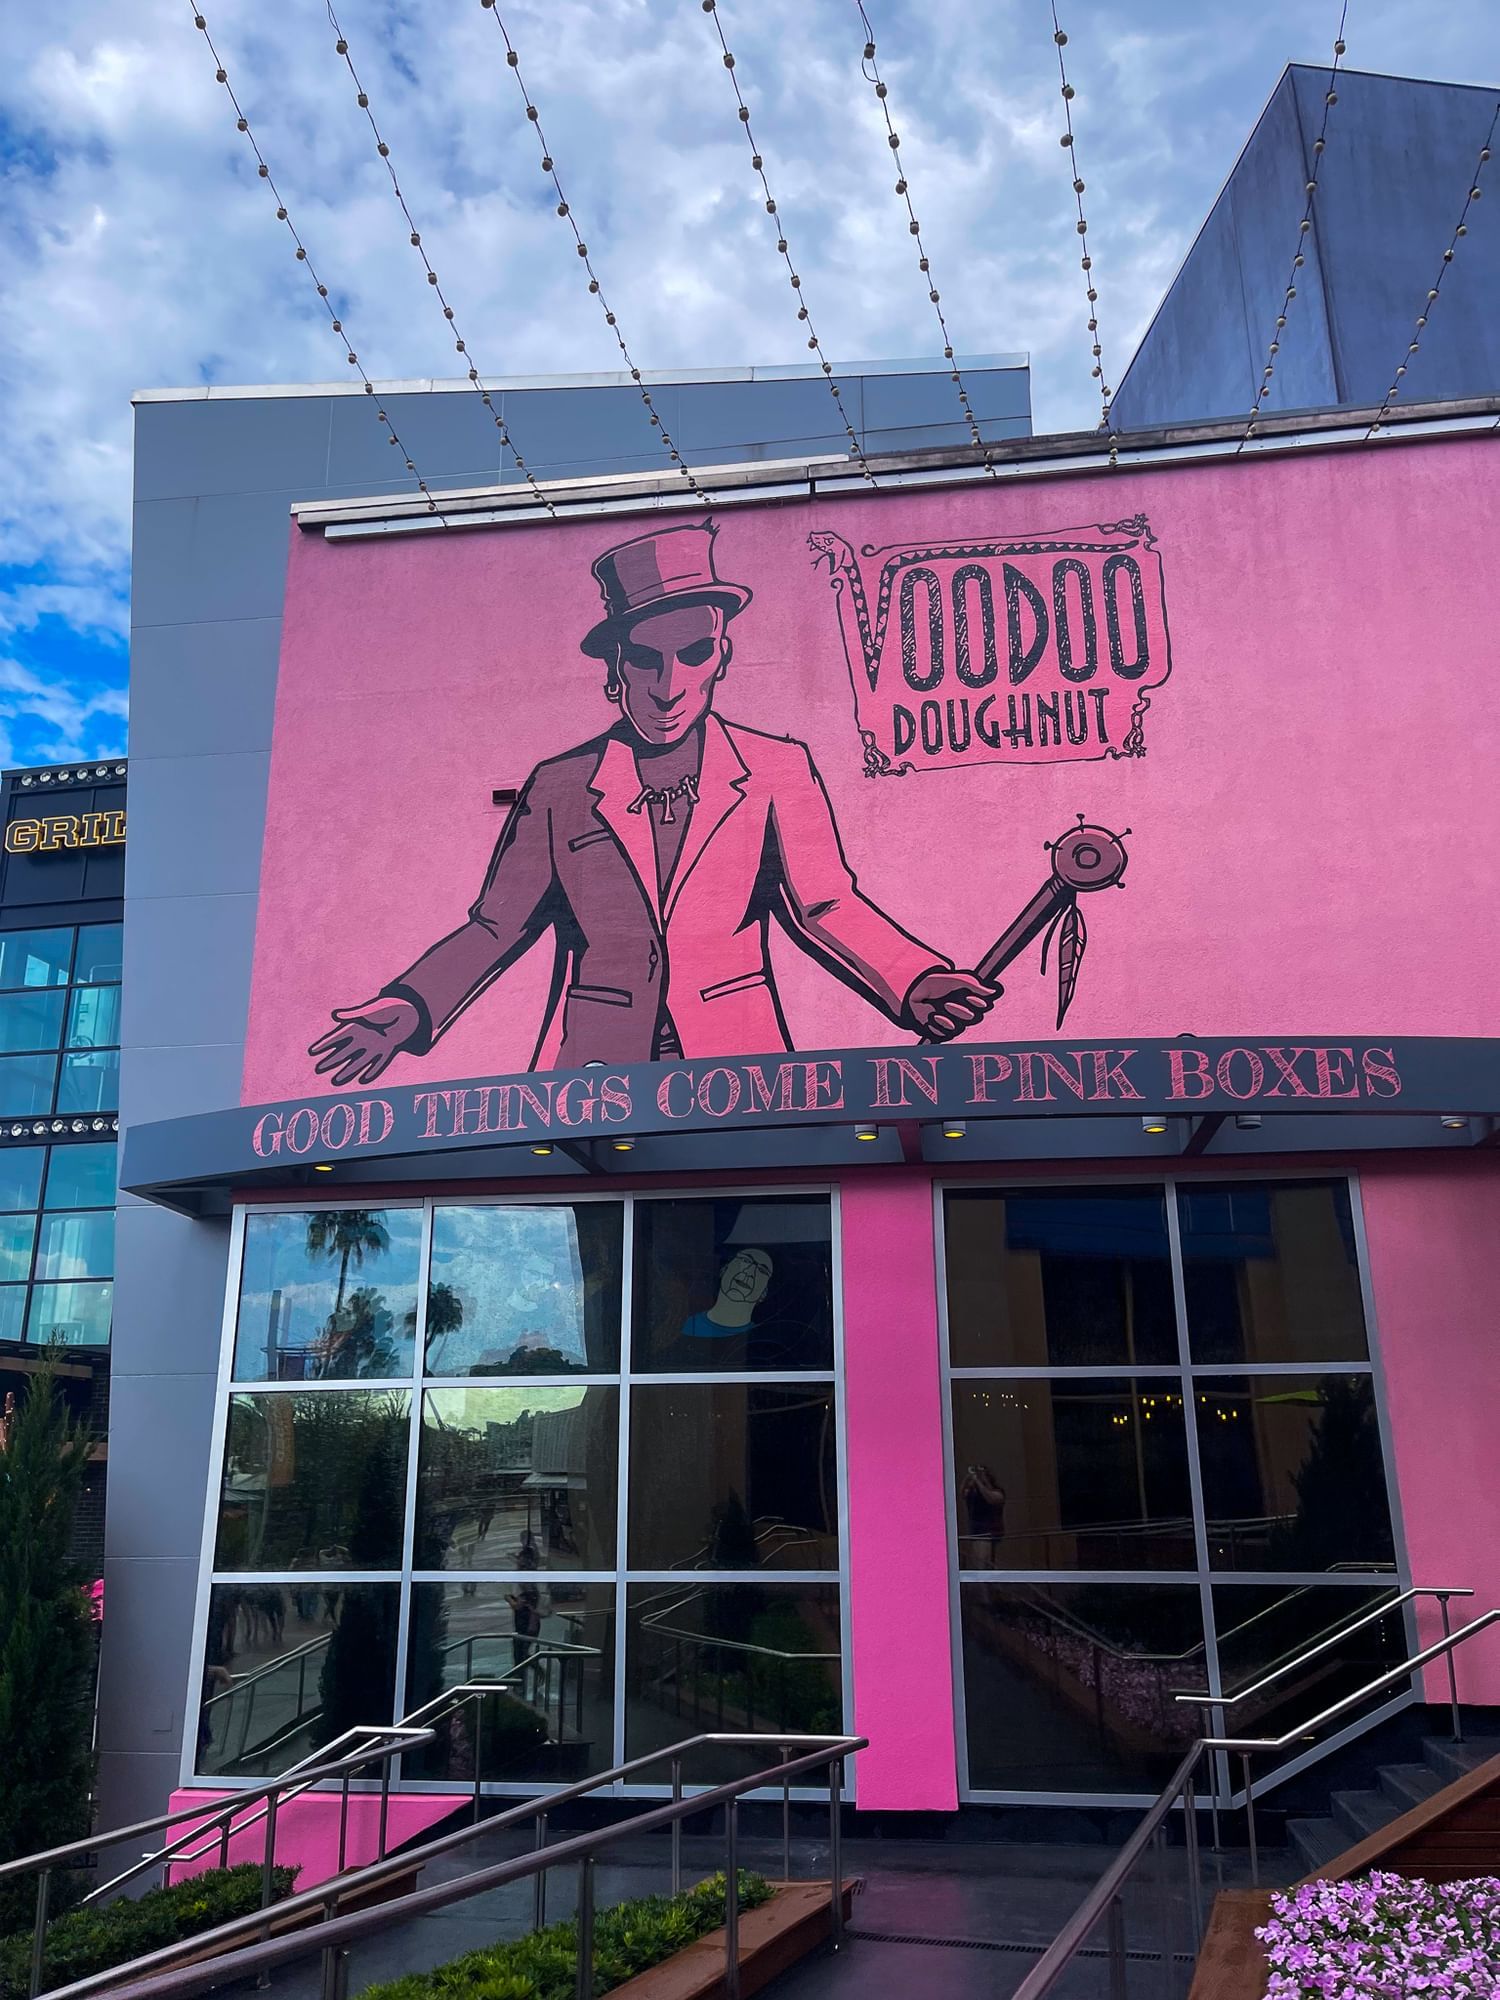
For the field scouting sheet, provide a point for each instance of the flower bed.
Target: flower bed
(1384, 1936)
(628, 1939)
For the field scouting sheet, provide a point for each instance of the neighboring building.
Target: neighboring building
(1400, 158)
(62, 887)
(558, 1241)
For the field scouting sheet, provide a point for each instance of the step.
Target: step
(1456, 1760)
(1361, 1813)
(1316, 1841)
(1408, 1785)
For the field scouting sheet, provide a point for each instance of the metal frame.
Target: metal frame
(1186, 1374)
(623, 1380)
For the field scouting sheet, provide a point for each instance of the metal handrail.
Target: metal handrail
(1202, 1698)
(1104, 1900)
(164, 1981)
(241, 1681)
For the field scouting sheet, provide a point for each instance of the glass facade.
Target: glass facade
(60, 1021)
(589, 1449)
(1167, 1468)
(57, 1242)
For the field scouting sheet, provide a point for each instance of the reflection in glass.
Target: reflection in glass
(1293, 1475)
(287, 1667)
(78, 1176)
(733, 1285)
(21, 1174)
(35, 958)
(75, 1315)
(733, 1475)
(730, 1656)
(1068, 1687)
(26, 1085)
(1270, 1272)
(314, 1481)
(12, 1312)
(99, 954)
(1066, 1278)
(328, 1295)
(89, 1081)
(525, 1290)
(553, 1645)
(31, 1020)
(17, 1233)
(1263, 1626)
(94, 1018)
(75, 1246)
(518, 1479)
(1078, 1473)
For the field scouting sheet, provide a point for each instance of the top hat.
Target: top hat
(656, 572)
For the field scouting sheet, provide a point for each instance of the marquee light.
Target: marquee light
(1086, 260)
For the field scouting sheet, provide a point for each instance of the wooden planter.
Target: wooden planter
(773, 1938)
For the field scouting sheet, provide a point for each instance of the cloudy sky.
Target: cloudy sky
(138, 249)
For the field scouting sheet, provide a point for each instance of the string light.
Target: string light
(564, 209)
(872, 75)
(804, 311)
(1086, 259)
(440, 299)
(264, 173)
(1462, 229)
(1304, 227)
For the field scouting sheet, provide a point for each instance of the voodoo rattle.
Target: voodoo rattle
(1085, 858)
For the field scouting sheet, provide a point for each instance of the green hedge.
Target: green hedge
(628, 1939)
(91, 1940)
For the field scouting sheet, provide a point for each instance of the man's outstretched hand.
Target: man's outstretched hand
(943, 1004)
(364, 1040)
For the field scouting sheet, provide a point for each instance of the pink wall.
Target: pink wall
(898, 1515)
(1331, 650)
(1434, 1237)
(307, 1830)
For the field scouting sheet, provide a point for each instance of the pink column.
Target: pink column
(1435, 1273)
(898, 1534)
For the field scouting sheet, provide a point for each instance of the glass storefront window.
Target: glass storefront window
(730, 1285)
(518, 1479)
(99, 957)
(79, 1176)
(35, 958)
(21, 1173)
(1261, 1626)
(552, 1644)
(733, 1476)
(75, 1246)
(74, 1315)
(93, 1018)
(314, 1481)
(1069, 1687)
(762, 1656)
(1293, 1473)
(519, 1290)
(1270, 1273)
(533, 1422)
(1059, 1278)
(1078, 1473)
(26, 1085)
(89, 1080)
(17, 1234)
(328, 1295)
(1114, 1352)
(12, 1312)
(288, 1667)
(31, 1020)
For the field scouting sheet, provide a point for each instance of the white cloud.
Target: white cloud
(62, 719)
(138, 249)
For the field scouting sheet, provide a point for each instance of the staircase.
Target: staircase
(1354, 1815)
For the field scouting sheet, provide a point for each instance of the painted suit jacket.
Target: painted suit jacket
(761, 843)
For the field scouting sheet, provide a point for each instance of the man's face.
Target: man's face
(668, 663)
(745, 1277)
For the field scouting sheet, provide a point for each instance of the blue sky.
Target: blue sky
(137, 248)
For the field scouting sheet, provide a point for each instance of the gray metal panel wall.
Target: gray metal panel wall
(215, 479)
(1399, 159)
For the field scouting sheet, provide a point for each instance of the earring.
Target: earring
(613, 686)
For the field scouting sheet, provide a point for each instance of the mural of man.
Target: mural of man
(658, 854)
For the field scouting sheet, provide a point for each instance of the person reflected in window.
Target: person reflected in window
(984, 1504)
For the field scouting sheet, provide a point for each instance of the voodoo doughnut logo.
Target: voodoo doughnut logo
(1041, 650)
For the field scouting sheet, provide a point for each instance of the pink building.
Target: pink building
(857, 1106)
